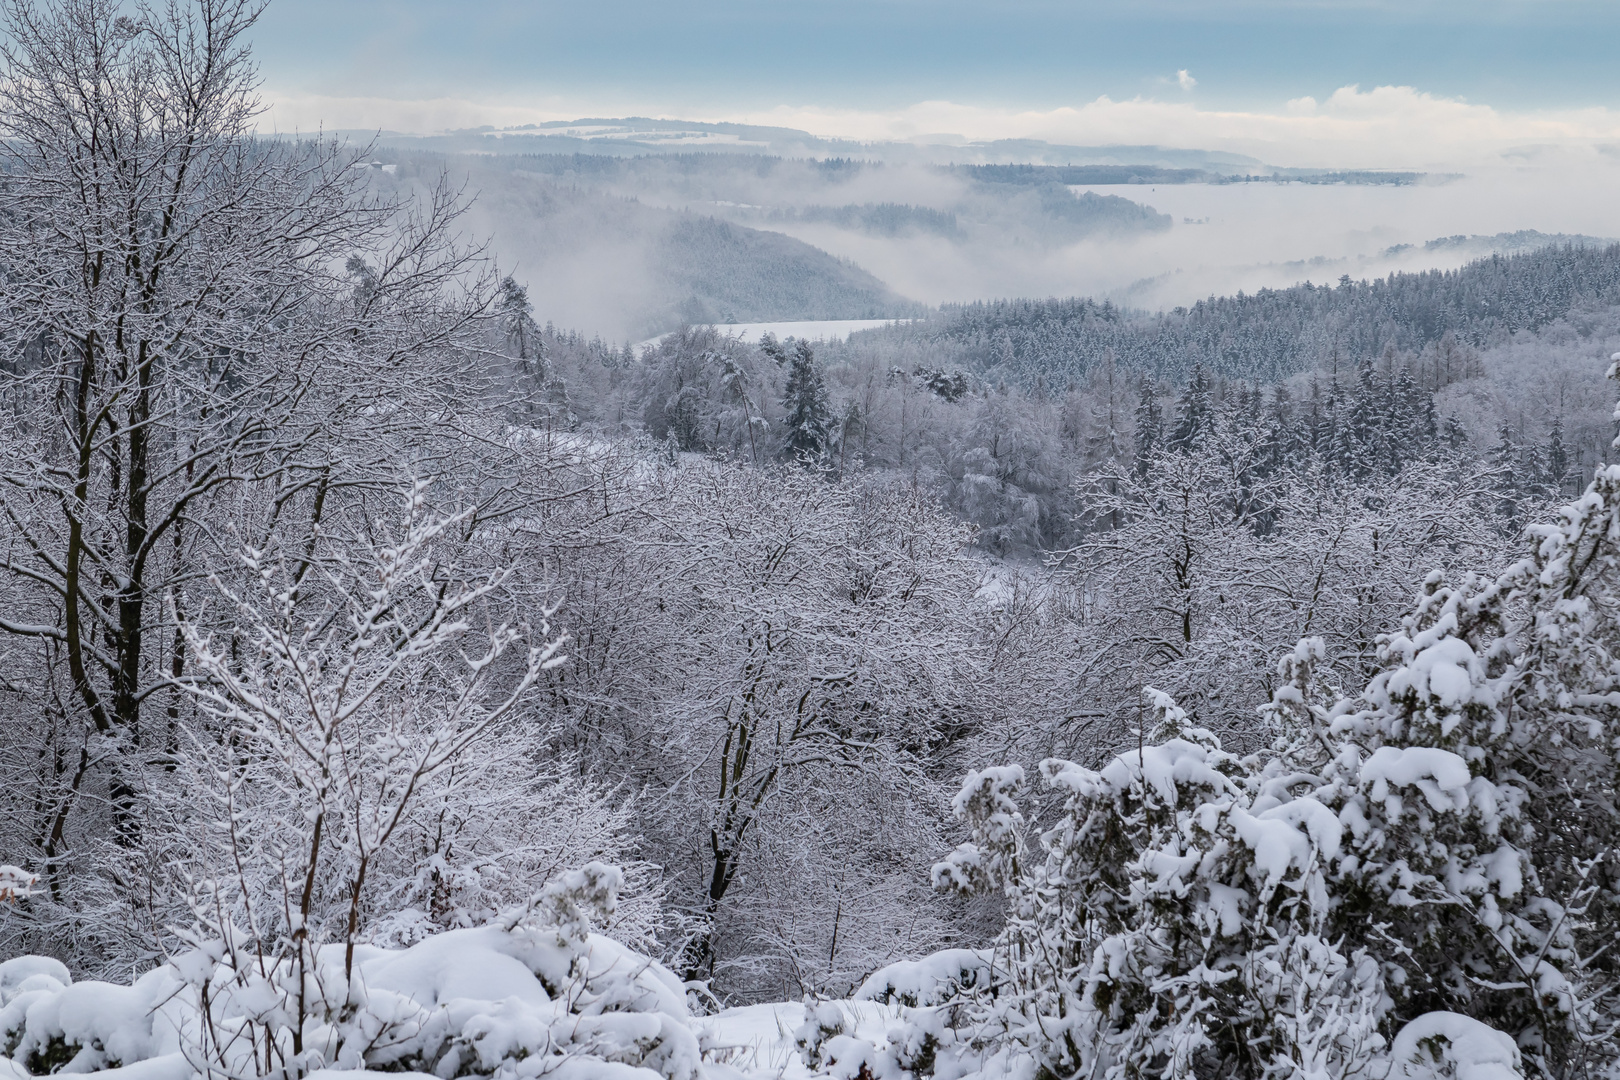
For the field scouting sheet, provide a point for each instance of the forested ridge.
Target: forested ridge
(1276, 333)
(393, 682)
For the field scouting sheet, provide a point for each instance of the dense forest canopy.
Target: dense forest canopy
(1277, 333)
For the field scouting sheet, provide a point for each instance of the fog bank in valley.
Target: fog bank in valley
(627, 242)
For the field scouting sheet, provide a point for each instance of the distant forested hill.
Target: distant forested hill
(1275, 333)
(631, 268)
(1040, 175)
(1001, 203)
(877, 219)
(724, 272)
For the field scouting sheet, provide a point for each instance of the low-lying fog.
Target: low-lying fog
(1227, 237)
(601, 243)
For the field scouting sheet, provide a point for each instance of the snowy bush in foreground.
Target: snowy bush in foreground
(1405, 876)
(534, 993)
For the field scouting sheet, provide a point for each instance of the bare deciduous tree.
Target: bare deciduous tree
(193, 318)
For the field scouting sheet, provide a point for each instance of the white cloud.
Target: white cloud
(290, 112)
(1186, 80)
(1385, 127)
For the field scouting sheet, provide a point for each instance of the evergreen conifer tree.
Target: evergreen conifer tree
(1149, 436)
(1401, 437)
(1557, 456)
(1428, 426)
(1193, 411)
(1281, 447)
(1319, 420)
(774, 349)
(1506, 459)
(809, 415)
(539, 388)
(1363, 429)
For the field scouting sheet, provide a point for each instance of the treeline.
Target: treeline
(1014, 461)
(1275, 333)
(1041, 175)
(1156, 174)
(878, 219)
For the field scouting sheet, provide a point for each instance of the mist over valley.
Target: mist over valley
(621, 236)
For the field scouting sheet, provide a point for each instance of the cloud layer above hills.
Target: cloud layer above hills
(1388, 127)
(1308, 82)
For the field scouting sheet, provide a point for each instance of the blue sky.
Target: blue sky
(728, 56)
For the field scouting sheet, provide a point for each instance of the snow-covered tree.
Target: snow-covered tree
(355, 677)
(807, 423)
(1424, 863)
(1210, 562)
(194, 321)
(1004, 473)
(773, 658)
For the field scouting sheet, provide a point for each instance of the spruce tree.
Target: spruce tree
(524, 343)
(1360, 452)
(1193, 412)
(1402, 433)
(1557, 456)
(1428, 427)
(1319, 420)
(1506, 460)
(773, 349)
(1149, 438)
(1281, 447)
(809, 416)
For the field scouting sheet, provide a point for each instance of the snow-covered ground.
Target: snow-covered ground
(758, 1039)
(475, 1003)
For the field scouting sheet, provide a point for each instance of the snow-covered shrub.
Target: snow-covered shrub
(1439, 845)
(1446, 1046)
(933, 980)
(823, 1022)
(534, 993)
(921, 1041)
(1177, 921)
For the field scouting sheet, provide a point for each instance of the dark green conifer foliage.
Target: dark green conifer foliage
(1506, 460)
(1149, 436)
(809, 416)
(1558, 463)
(1193, 412)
